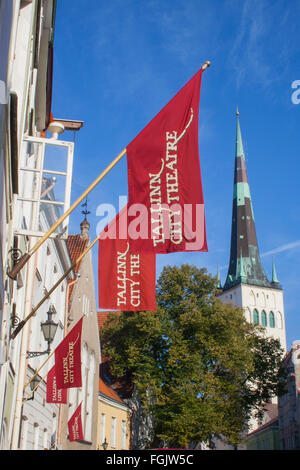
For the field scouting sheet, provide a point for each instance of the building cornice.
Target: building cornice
(112, 402)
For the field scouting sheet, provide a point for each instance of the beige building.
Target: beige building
(82, 301)
(114, 420)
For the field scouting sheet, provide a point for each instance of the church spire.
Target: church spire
(244, 264)
(274, 275)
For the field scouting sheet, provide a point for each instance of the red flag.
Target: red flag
(68, 359)
(75, 426)
(54, 394)
(126, 277)
(164, 176)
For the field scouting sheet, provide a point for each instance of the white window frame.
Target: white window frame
(36, 436)
(90, 396)
(102, 428)
(123, 438)
(39, 171)
(113, 432)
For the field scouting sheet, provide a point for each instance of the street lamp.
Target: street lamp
(105, 444)
(33, 384)
(49, 328)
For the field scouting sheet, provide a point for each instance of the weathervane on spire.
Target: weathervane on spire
(85, 212)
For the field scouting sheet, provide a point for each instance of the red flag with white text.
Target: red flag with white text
(164, 176)
(126, 277)
(68, 359)
(54, 394)
(75, 426)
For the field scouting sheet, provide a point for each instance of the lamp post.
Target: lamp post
(49, 328)
(105, 444)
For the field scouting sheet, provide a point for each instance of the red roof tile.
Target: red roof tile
(108, 391)
(76, 245)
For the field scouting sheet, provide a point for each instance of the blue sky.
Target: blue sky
(118, 62)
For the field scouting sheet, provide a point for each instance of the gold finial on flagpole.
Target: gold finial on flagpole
(237, 111)
(207, 64)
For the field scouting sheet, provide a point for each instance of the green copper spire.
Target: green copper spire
(239, 149)
(242, 274)
(244, 264)
(274, 275)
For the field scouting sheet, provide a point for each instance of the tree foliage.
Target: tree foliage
(201, 369)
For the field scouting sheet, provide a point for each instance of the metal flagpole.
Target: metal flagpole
(32, 392)
(23, 322)
(37, 371)
(23, 260)
(45, 362)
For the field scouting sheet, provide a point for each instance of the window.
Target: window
(279, 321)
(252, 298)
(272, 320)
(255, 317)
(45, 439)
(90, 396)
(263, 300)
(113, 432)
(46, 175)
(123, 438)
(247, 314)
(82, 390)
(102, 428)
(264, 318)
(72, 401)
(36, 436)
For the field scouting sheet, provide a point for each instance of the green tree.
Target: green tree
(201, 369)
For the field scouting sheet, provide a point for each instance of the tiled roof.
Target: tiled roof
(108, 391)
(76, 245)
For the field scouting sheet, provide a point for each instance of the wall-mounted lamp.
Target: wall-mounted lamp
(49, 328)
(105, 444)
(33, 384)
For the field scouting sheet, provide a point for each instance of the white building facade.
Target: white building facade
(36, 174)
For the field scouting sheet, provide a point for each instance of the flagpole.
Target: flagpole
(45, 362)
(37, 371)
(36, 387)
(23, 260)
(23, 322)
(207, 64)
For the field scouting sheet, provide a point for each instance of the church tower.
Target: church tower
(246, 284)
